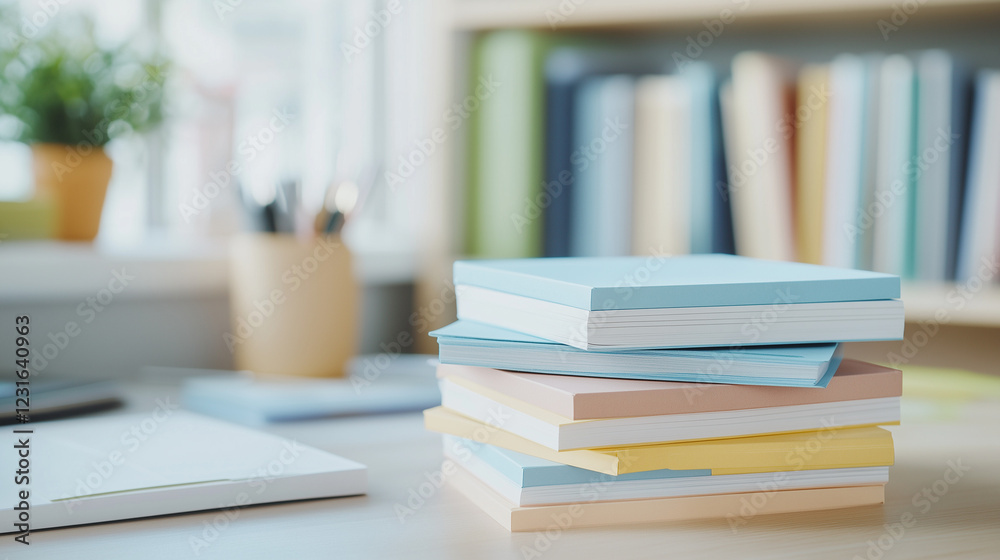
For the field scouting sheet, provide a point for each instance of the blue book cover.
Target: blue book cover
(711, 217)
(653, 282)
(801, 365)
(560, 87)
(602, 198)
(527, 471)
(961, 89)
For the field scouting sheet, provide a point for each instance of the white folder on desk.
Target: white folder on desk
(168, 461)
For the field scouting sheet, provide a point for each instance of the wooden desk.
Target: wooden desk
(964, 522)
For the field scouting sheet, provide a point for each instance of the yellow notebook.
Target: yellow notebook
(732, 507)
(821, 449)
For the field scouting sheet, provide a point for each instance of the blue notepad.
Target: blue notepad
(629, 303)
(475, 344)
(406, 384)
(684, 281)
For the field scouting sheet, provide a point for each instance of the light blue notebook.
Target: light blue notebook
(408, 383)
(476, 344)
(671, 282)
(527, 481)
(527, 471)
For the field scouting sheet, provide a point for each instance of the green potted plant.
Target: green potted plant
(67, 98)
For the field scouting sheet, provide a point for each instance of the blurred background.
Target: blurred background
(143, 140)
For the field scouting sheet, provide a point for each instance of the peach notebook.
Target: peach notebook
(587, 398)
(731, 507)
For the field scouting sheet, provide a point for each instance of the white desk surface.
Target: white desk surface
(964, 522)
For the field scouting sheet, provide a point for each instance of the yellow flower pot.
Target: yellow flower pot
(75, 179)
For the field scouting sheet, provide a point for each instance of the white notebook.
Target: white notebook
(112, 468)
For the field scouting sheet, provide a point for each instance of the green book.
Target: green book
(505, 207)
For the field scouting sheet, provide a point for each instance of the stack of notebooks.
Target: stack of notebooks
(601, 391)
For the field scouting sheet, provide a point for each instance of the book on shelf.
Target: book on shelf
(852, 161)
(505, 146)
(761, 125)
(602, 198)
(681, 200)
(943, 97)
(813, 98)
(894, 199)
(662, 201)
(980, 243)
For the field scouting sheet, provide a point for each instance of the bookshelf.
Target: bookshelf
(458, 21)
(958, 304)
(478, 15)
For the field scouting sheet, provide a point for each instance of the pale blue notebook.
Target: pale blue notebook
(407, 383)
(671, 282)
(476, 344)
(527, 481)
(527, 471)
